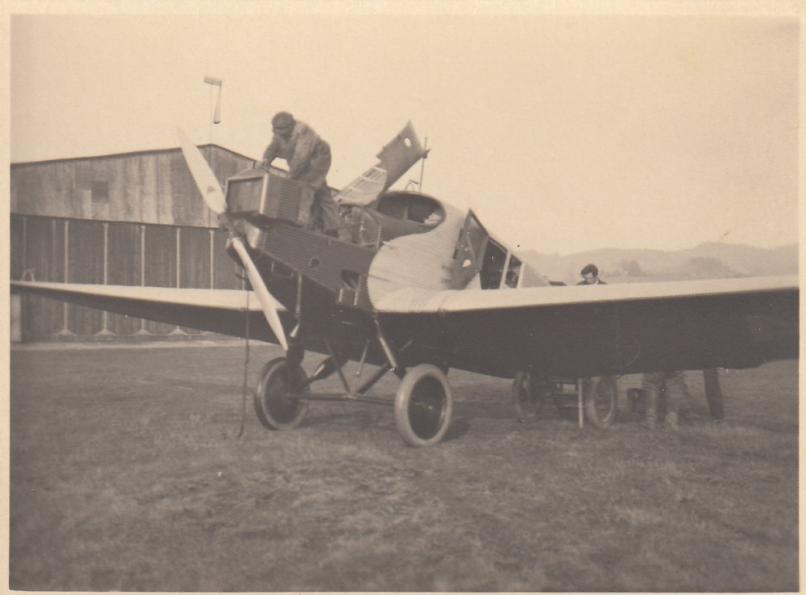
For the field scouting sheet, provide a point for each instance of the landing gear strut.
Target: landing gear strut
(423, 403)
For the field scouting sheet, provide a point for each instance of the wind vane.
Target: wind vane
(215, 117)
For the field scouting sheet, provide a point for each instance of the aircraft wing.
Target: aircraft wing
(216, 310)
(582, 331)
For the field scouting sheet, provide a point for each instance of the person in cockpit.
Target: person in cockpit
(590, 276)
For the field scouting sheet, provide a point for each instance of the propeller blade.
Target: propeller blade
(214, 197)
(267, 302)
(202, 174)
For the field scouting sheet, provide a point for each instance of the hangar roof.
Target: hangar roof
(143, 152)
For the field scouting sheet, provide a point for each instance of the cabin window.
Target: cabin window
(513, 272)
(492, 268)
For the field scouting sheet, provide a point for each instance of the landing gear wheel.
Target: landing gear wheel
(423, 406)
(601, 401)
(527, 396)
(276, 402)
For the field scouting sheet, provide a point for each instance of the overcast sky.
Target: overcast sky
(564, 133)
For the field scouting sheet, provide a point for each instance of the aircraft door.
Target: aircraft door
(469, 252)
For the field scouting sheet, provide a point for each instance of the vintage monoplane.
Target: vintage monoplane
(417, 286)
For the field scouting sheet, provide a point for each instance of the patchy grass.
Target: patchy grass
(127, 474)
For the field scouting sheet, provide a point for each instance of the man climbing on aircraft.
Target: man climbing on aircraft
(308, 157)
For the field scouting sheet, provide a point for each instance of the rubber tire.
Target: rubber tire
(421, 378)
(605, 387)
(291, 411)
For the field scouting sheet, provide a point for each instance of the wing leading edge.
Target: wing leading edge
(217, 310)
(415, 300)
(607, 329)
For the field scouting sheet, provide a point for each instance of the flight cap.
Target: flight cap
(282, 120)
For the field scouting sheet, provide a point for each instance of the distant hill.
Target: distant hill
(709, 260)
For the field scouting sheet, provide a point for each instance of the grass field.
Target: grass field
(127, 474)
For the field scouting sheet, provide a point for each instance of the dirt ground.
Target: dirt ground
(127, 474)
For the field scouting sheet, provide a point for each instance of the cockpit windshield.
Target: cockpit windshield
(492, 268)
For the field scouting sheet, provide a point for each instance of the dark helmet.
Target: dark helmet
(282, 121)
(590, 269)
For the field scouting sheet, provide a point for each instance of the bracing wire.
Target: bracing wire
(245, 368)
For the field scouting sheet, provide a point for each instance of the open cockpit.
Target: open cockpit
(259, 197)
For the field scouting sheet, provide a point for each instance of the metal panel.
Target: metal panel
(85, 265)
(82, 189)
(160, 265)
(123, 268)
(17, 244)
(42, 318)
(187, 205)
(18, 231)
(141, 193)
(117, 206)
(287, 199)
(194, 258)
(31, 196)
(194, 261)
(225, 270)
